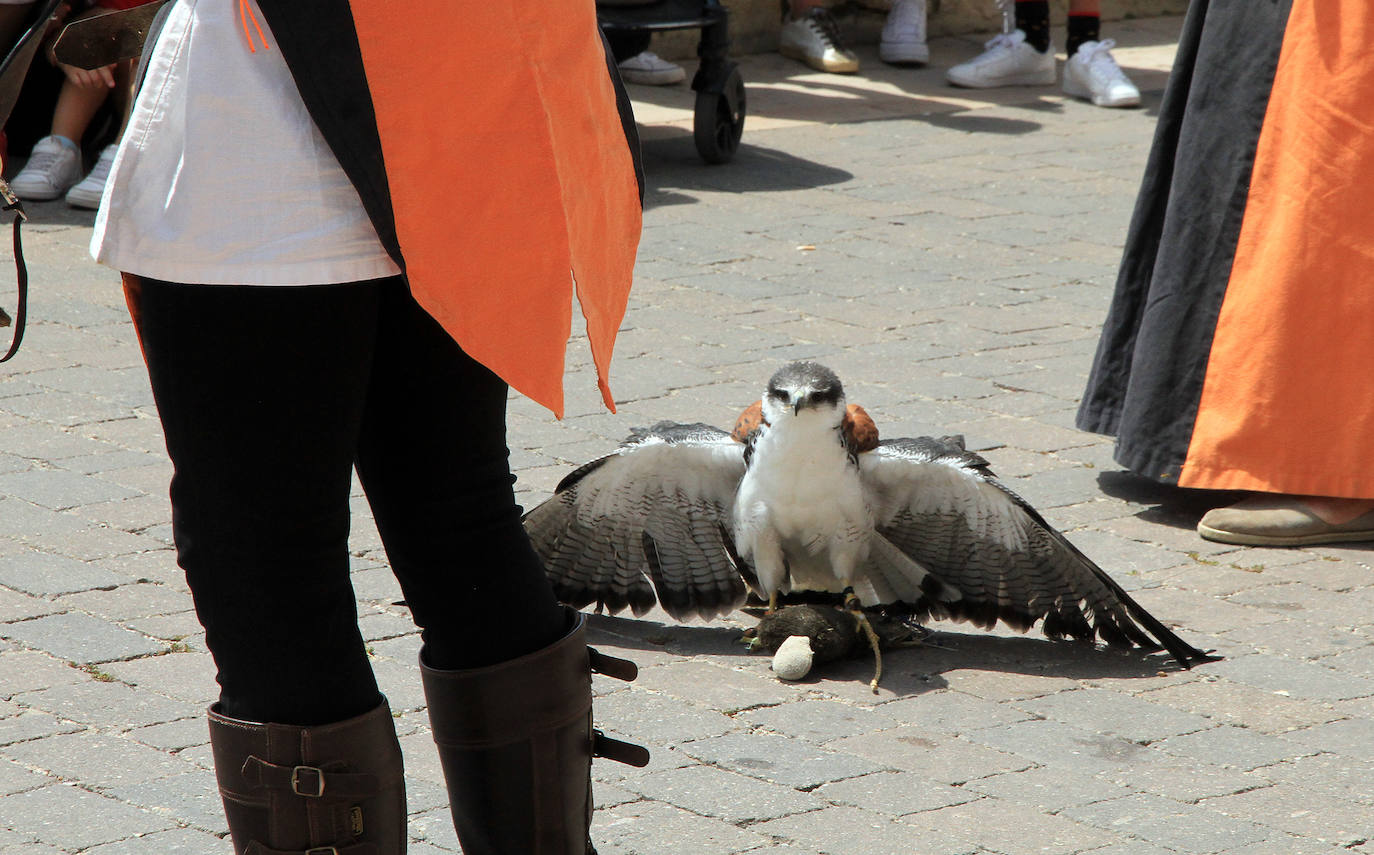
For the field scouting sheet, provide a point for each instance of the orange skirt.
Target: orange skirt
(1239, 348)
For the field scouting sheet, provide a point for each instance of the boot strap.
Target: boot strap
(620, 669)
(256, 848)
(621, 752)
(310, 782)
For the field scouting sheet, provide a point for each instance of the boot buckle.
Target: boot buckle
(322, 850)
(308, 781)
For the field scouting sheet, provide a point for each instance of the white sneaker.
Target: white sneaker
(904, 34)
(1006, 61)
(815, 40)
(52, 168)
(1092, 73)
(87, 193)
(650, 69)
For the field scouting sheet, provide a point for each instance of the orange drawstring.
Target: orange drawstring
(245, 13)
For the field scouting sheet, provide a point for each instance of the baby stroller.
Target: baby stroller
(718, 122)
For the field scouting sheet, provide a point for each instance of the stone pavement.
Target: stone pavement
(951, 254)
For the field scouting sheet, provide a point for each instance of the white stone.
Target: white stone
(793, 659)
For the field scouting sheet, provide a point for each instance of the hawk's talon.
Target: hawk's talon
(750, 639)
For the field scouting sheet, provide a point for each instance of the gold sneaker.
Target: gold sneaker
(815, 40)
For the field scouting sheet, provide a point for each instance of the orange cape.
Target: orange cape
(510, 177)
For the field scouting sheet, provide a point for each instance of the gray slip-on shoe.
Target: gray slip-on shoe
(1280, 521)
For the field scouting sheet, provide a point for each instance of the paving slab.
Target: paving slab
(951, 253)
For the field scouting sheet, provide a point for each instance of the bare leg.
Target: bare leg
(76, 106)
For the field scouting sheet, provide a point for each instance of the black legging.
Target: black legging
(269, 395)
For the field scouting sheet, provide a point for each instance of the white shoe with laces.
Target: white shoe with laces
(815, 40)
(650, 69)
(904, 34)
(52, 168)
(1007, 60)
(1092, 73)
(87, 193)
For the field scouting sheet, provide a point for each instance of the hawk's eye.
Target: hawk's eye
(783, 396)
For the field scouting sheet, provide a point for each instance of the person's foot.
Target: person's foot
(815, 40)
(52, 169)
(904, 34)
(1279, 520)
(1092, 73)
(1006, 61)
(650, 69)
(87, 192)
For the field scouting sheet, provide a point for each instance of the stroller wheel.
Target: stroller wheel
(719, 120)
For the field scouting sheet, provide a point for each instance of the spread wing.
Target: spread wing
(650, 522)
(941, 507)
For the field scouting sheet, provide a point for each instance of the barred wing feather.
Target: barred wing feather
(942, 507)
(672, 484)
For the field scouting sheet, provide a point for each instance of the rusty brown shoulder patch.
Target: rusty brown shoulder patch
(860, 429)
(749, 421)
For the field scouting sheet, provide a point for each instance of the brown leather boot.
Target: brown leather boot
(516, 742)
(332, 789)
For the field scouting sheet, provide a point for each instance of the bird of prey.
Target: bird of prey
(802, 499)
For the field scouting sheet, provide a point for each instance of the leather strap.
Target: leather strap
(310, 782)
(21, 310)
(620, 669)
(13, 68)
(621, 752)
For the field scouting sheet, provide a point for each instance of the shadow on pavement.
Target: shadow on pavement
(676, 638)
(974, 122)
(780, 90)
(56, 213)
(1178, 507)
(910, 670)
(671, 163)
(1031, 655)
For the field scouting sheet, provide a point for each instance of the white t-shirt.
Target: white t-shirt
(222, 177)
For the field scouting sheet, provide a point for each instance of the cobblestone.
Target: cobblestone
(963, 249)
(42, 574)
(80, 638)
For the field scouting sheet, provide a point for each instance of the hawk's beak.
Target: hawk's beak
(799, 403)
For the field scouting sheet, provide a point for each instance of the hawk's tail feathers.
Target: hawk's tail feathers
(909, 582)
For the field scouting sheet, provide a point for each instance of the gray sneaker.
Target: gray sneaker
(904, 34)
(52, 169)
(87, 193)
(1092, 73)
(1006, 61)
